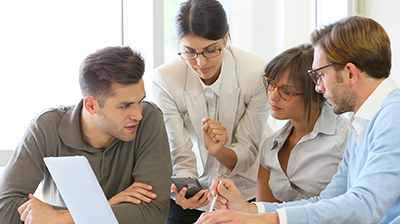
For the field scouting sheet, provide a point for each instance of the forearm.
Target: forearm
(154, 212)
(227, 157)
(8, 210)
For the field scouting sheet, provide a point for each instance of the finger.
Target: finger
(203, 200)
(30, 196)
(213, 188)
(197, 196)
(210, 196)
(181, 194)
(205, 120)
(136, 185)
(222, 139)
(21, 210)
(205, 127)
(175, 189)
(143, 192)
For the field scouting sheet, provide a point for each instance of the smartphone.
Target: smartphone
(192, 183)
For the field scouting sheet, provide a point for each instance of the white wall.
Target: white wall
(386, 12)
(268, 27)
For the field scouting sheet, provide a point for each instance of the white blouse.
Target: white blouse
(312, 162)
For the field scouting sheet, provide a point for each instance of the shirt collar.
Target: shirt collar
(360, 120)
(326, 124)
(215, 87)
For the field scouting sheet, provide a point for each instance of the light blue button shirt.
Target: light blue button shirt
(366, 187)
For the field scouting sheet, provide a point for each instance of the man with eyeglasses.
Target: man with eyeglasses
(352, 62)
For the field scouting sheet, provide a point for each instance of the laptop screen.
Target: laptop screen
(80, 190)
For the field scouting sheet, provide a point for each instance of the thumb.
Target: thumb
(224, 192)
(30, 196)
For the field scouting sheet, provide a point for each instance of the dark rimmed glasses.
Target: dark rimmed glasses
(316, 78)
(284, 93)
(207, 54)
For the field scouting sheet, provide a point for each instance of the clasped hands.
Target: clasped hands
(34, 211)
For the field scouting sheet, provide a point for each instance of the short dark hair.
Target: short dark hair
(202, 18)
(359, 40)
(108, 66)
(296, 61)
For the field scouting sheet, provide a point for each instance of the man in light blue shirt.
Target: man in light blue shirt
(352, 62)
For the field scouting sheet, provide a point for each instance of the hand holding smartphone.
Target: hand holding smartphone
(192, 183)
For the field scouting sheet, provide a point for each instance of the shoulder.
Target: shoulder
(150, 109)
(244, 61)
(243, 57)
(386, 113)
(331, 123)
(171, 76)
(248, 68)
(174, 68)
(52, 115)
(392, 98)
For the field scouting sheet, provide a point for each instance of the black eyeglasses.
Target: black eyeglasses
(316, 78)
(207, 54)
(284, 93)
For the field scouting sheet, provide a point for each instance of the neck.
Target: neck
(366, 87)
(302, 127)
(92, 134)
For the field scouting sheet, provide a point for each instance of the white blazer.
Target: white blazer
(243, 110)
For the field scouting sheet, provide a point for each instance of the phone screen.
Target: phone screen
(192, 183)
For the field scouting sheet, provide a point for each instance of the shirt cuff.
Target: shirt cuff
(260, 207)
(282, 216)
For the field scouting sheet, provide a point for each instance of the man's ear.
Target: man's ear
(353, 72)
(90, 104)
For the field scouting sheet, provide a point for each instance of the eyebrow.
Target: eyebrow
(129, 103)
(203, 48)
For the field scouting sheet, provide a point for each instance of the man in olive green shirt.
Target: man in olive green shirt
(122, 136)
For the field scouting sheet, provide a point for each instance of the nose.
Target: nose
(319, 88)
(274, 94)
(201, 60)
(136, 113)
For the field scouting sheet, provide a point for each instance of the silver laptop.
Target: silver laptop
(80, 190)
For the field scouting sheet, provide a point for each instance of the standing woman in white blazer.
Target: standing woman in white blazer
(215, 107)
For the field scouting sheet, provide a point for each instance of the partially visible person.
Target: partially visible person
(352, 62)
(214, 107)
(122, 136)
(299, 160)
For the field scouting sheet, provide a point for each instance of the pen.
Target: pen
(214, 200)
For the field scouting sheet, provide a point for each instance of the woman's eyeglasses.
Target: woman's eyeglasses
(207, 54)
(284, 93)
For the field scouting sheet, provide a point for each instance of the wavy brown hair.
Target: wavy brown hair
(359, 40)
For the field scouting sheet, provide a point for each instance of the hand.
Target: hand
(35, 211)
(230, 197)
(231, 217)
(136, 193)
(196, 201)
(214, 135)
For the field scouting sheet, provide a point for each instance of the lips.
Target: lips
(205, 70)
(132, 128)
(274, 107)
